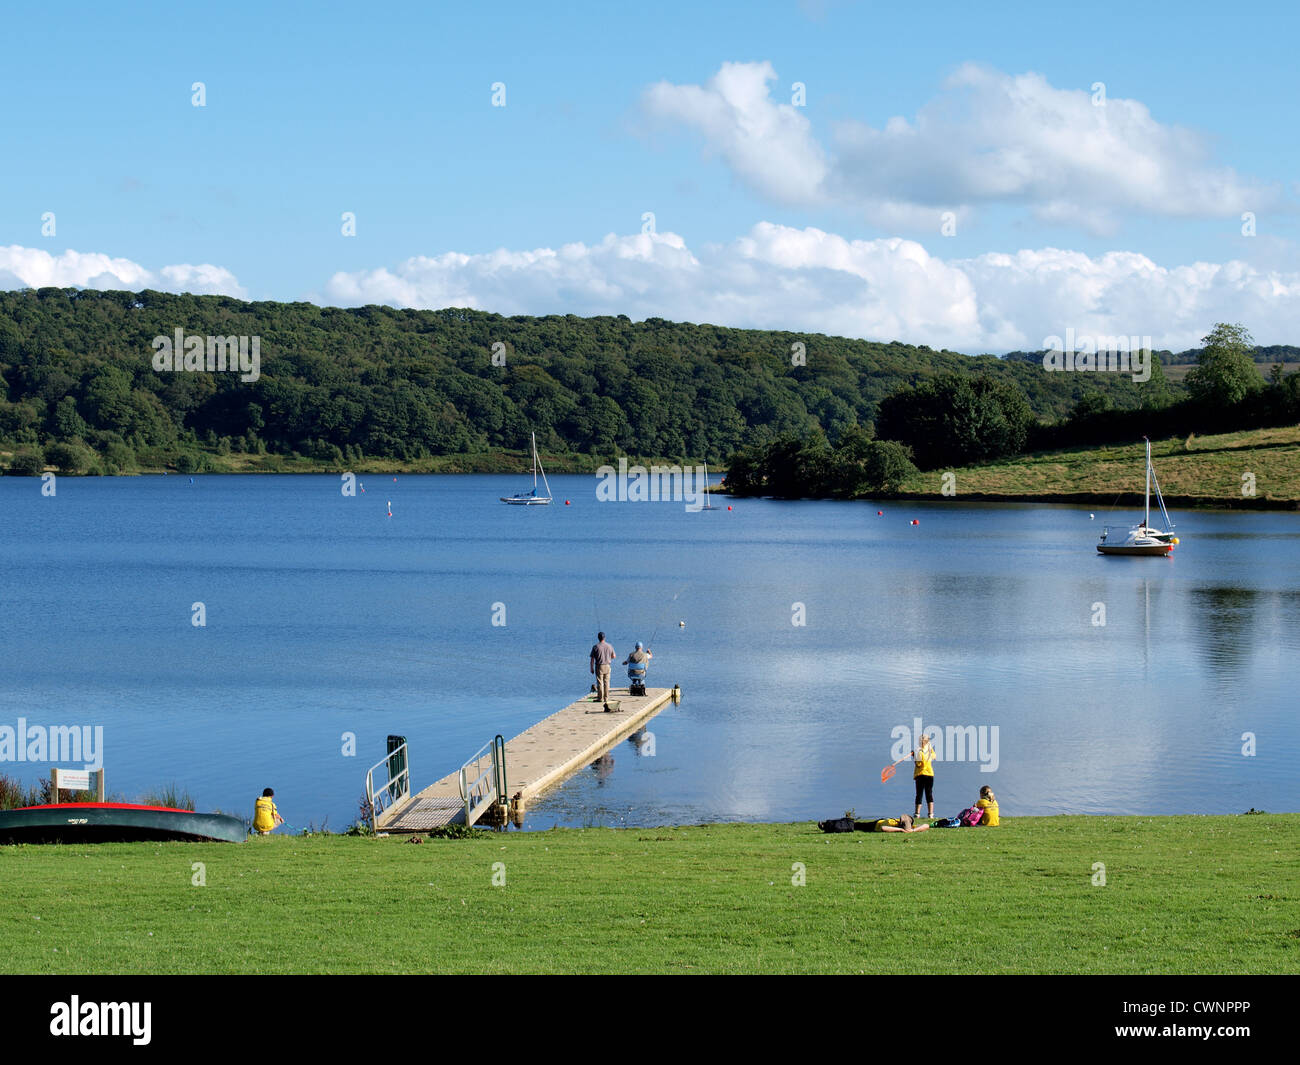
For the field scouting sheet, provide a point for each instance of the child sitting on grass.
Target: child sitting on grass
(988, 802)
(266, 817)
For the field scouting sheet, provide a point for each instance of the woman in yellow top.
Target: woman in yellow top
(988, 802)
(265, 816)
(923, 756)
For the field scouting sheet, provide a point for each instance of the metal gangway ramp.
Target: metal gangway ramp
(480, 784)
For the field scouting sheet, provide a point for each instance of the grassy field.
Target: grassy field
(1181, 895)
(1179, 371)
(1197, 470)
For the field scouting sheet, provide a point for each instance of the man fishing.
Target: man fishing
(602, 654)
(636, 664)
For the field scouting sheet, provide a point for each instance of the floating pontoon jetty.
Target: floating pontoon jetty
(505, 776)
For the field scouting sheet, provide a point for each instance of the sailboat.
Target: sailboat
(532, 499)
(707, 504)
(1143, 539)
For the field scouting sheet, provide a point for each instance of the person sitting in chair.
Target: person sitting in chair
(636, 666)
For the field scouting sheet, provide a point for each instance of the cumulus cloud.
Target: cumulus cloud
(1067, 155)
(767, 145)
(35, 268)
(779, 277)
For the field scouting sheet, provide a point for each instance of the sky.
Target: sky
(976, 177)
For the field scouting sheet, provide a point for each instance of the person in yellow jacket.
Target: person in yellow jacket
(988, 802)
(923, 756)
(266, 817)
(902, 823)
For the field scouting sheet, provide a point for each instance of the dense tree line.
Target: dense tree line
(792, 467)
(962, 419)
(78, 388)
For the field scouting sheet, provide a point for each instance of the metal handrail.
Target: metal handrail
(477, 790)
(499, 763)
(394, 788)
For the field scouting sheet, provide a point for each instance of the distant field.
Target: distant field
(1204, 469)
(1176, 895)
(1179, 372)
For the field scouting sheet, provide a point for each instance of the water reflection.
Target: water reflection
(1226, 627)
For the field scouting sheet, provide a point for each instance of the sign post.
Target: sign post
(76, 780)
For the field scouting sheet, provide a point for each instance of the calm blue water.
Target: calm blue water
(325, 616)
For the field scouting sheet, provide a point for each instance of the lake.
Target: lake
(817, 635)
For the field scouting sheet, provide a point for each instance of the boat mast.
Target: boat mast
(537, 465)
(1147, 520)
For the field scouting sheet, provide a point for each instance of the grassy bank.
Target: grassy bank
(1198, 471)
(1184, 894)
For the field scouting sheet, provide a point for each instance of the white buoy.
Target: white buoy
(1091, 517)
(681, 624)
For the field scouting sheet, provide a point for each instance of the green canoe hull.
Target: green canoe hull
(115, 823)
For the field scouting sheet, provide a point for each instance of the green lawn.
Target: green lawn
(1207, 469)
(1185, 894)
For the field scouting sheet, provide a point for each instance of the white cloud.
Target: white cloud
(36, 268)
(778, 277)
(767, 145)
(986, 138)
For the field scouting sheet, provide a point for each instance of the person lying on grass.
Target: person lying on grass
(903, 823)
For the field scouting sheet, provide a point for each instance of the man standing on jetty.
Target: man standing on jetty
(602, 654)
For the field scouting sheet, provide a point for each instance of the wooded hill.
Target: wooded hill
(337, 385)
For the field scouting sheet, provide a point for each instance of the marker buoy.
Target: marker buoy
(879, 513)
(728, 508)
(566, 502)
(915, 522)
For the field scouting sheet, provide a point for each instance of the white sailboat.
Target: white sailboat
(531, 499)
(1143, 539)
(707, 504)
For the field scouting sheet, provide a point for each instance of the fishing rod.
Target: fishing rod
(663, 613)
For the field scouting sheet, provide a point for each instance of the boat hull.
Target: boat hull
(525, 502)
(1135, 549)
(95, 822)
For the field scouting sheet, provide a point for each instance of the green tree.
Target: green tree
(1225, 373)
(889, 465)
(68, 458)
(29, 462)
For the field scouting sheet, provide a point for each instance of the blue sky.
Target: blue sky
(612, 111)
